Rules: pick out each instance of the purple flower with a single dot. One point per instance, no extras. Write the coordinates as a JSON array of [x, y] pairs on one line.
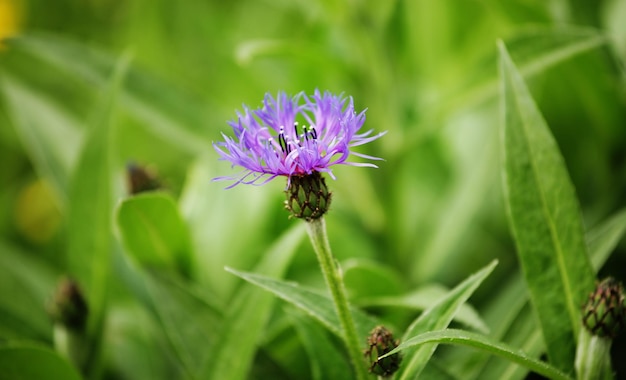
[[294, 136]]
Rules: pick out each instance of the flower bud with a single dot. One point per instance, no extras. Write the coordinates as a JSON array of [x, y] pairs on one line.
[[604, 314], [308, 197], [141, 179], [68, 307], [380, 341]]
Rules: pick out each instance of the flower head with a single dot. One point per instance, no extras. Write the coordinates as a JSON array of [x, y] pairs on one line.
[[604, 313], [294, 136], [379, 342]]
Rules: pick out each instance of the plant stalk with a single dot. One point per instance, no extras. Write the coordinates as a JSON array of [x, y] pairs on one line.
[[319, 238], [593, 357]]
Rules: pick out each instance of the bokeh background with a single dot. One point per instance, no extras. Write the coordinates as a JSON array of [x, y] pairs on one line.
[[426, 71]]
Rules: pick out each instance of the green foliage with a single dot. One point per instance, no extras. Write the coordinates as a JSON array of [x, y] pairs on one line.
[[247, 313], [408, 236], [318, 306], [30, 363], [466, 338], [154, 233], [438, 317], [545, 218], [326, 359]]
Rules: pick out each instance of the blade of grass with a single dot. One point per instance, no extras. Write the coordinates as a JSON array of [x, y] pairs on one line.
[[478, 341], [50, 135], [438, 317], [90, 213], [421, 299], [544, 217]]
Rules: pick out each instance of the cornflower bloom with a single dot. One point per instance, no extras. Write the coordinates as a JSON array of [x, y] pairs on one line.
[[270, 141]]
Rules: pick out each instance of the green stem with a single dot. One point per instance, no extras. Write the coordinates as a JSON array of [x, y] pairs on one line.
[[317, 232], [593, 357]]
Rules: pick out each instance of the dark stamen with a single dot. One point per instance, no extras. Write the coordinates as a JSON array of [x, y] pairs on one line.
[[283, 143], [313, 133]]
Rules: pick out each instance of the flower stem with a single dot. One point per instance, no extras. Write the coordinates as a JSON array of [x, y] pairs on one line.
[[593, 357], [317, 232]]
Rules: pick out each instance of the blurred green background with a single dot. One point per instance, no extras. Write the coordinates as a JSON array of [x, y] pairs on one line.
[[425, 70]]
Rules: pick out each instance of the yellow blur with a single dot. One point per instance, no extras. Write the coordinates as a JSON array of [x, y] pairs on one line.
[[10, 20]]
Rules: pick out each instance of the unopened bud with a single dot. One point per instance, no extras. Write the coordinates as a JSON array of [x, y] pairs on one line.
[[68, 307], [604, 314], [141, 179], [380, 341]]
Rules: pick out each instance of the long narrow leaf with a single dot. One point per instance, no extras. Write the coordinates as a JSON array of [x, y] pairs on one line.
[[188, 320], [90, 211], [545, 218], [49, 134], [167, 114], [438, 317], [421, 299], [466, 338], [248, 312], [314, 303]]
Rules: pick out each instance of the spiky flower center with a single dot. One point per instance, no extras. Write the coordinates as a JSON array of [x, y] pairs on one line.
[[288, 143]]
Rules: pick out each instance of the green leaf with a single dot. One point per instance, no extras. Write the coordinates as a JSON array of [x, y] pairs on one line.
[[545, 218], [26, 284], [135, 345], [90, 212], [421, 299], [34, 363], [50, 135], [188, 319], [466, 338], [318, 305], [248, 313], [326, 360], [438, 317], [154, 232]]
